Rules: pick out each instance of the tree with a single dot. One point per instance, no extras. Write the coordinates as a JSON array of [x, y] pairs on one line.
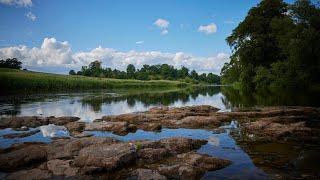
[[183, 72], [277, 45], [194, 75], [72, 72], [11, 63], [131, 70]]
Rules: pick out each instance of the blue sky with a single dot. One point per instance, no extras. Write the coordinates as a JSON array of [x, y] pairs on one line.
[[112, 30]]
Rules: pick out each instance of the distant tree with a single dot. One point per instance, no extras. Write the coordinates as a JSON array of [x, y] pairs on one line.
[[183, 72], [72, 72], [11, 63], [194, 75], [131, 70]]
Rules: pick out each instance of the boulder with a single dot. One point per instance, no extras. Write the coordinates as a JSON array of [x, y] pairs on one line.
[[62, 168], [120, 128], [146, 174], [22, 155], [68, 148], [179, 145], [150, 155], [106, 156], [31, 174]]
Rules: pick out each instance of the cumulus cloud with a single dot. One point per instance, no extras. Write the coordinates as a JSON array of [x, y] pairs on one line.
[[31, 16], [55, 55], [22, 3], [162, 23], [208, 29], [139, 42]]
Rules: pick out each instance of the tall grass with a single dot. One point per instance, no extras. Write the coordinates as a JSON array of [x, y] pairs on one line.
[[26, 81]]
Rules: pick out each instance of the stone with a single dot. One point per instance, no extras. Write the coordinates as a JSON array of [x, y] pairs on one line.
[[32, 174], [177, 145], [146, 174], [62, 167], [106, 156]]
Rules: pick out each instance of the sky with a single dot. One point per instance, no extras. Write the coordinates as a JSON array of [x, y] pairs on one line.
[[59, 35]]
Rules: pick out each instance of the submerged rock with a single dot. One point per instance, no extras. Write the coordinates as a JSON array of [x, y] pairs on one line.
[[20, 135]]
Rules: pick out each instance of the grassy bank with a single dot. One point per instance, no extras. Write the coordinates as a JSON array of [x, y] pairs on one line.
[[27, 81]]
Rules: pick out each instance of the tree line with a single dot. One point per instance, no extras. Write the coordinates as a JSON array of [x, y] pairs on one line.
[[13, 63], [277, 45], [147, 72]]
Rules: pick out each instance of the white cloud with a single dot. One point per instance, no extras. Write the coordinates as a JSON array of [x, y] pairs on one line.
[[208, 29], [139, 42], [22, 3], [31, 16], [162, 23], [57, 56], [164, 32]]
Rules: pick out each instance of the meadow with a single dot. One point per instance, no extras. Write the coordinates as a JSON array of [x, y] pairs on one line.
[[13, 80]]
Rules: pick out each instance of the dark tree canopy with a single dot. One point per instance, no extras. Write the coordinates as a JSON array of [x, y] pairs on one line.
[[13, 63], [277, 45]]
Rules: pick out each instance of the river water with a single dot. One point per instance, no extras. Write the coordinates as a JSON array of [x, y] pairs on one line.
[[93, 105]]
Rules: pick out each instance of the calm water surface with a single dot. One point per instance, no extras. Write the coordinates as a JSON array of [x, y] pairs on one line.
[[93, 105]]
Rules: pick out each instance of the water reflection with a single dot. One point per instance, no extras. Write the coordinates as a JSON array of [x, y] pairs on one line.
[[92, 105]]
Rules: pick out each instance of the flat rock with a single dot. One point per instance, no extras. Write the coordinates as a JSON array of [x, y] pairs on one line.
[[115, 127], [22, 155], [106, 156], [146, 174], [62, 168], [31, 174]]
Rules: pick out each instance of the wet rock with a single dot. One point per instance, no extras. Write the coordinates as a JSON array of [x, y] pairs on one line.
[[34, 121], [62, 167], [75, 127], [68, 148], [146, 174], [30, 174], [106, 156], [20, 135], [62, 120], [151, 127], [22, 155], [179, 145], [191, 166], [23, 128], [150, 155], [120, 128]]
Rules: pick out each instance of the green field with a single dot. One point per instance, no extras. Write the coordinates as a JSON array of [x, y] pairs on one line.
[[27, 81]]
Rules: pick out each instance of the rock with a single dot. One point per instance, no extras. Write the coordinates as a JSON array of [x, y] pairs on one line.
[[191, 166], [115, 127], [151, 127], [20, 135], [146, 174], [75, 127], [22, 155], [68, 148], [30, 174], [106, 156], [179, 145], [62, 167], [149, 155], [23, 128], [34, 121]]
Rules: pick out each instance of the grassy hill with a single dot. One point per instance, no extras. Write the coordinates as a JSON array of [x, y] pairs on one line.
[[13, 80]]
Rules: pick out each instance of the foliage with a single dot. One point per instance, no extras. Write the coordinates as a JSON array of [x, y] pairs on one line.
[[276, 46], [149, 72], [10, 63]]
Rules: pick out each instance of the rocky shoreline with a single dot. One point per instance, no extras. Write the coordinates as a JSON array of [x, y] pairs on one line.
[[83, 156]]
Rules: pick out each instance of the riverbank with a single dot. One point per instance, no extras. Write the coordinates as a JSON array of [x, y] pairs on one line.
[[280, 140], [28, 81]]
